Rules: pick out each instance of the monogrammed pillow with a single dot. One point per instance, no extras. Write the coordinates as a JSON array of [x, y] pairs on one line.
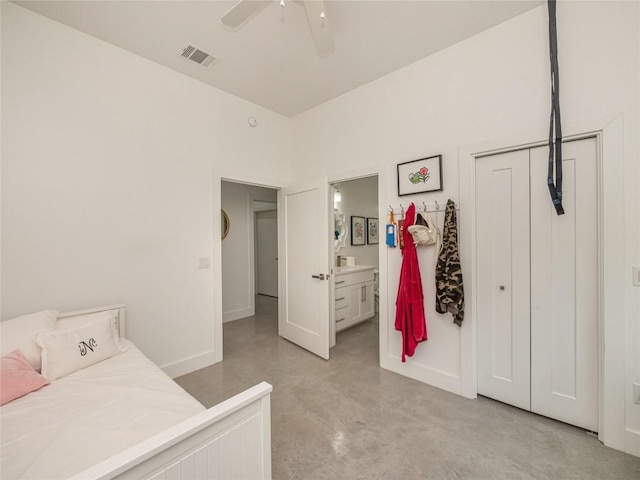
[[65, 351]]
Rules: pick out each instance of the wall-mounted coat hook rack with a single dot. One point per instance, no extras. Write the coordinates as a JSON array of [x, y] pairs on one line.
[[426, 207]]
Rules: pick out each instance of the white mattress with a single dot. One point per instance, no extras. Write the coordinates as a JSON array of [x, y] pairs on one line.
[[83, 418]]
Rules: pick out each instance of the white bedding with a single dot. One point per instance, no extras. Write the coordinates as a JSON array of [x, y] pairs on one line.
[[89, 415]]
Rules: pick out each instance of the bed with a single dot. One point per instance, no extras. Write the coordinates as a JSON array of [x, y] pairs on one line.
[[122, 417]]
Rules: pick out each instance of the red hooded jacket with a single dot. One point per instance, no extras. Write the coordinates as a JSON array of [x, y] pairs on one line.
[[410, 317]]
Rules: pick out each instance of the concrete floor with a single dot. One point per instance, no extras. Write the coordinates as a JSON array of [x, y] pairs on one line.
[[346, 418]]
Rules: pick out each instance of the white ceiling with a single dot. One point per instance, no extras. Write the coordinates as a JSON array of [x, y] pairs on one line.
[[271, 60]]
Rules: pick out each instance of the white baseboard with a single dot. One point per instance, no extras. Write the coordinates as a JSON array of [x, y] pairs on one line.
[[237, 314], [190, 364], [632, 442], [430, 376]]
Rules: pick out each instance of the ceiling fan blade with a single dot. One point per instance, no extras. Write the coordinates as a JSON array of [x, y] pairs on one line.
[[320, 29], [243, 11]]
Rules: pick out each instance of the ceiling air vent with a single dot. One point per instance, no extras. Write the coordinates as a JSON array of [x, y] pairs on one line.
[[198, 56]]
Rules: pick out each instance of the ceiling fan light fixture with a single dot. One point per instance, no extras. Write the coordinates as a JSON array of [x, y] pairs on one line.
[[244, 10]]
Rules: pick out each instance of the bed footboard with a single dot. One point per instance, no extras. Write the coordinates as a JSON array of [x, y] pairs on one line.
[[231, 440]]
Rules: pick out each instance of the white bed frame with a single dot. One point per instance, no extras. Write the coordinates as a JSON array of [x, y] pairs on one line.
[[231, 440]]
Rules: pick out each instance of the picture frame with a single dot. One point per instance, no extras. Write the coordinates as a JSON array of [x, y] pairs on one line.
[[358, 230], [373, 231], [420, 176]]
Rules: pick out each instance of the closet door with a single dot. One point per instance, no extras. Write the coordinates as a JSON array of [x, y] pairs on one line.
[[564, 289], [503, 308]]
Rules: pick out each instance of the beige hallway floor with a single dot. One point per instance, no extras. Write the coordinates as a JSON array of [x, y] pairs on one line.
[[346, 418]]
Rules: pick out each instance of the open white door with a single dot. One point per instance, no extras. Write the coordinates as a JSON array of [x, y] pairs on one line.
[[304, 267]]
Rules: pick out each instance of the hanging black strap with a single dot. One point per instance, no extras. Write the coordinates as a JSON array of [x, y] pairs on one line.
[[555, 189]]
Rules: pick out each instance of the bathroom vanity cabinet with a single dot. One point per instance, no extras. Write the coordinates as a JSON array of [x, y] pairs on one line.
[[354, 296]]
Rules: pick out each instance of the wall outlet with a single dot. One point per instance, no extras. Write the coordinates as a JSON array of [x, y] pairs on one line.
[[204, 262], [636, 276], [636, 393]]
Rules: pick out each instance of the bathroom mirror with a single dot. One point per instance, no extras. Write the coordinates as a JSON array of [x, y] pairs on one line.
[[341, 230], [225, 223]]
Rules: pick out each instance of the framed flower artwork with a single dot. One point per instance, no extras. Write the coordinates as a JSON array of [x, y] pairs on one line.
[[373, 231], [358, 231], [420, 176]]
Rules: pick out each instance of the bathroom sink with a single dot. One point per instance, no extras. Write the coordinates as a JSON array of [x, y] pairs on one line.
[[355, 268]]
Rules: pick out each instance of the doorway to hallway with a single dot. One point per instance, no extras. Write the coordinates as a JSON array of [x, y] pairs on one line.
[[249, 250]]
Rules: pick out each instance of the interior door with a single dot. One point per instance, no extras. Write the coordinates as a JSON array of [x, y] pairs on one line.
[[267, 253], [502, 269], [564, 289], [304, 267]]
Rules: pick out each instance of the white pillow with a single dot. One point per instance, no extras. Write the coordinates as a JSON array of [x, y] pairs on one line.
[[20, 334], [65, 351], [67, 323]]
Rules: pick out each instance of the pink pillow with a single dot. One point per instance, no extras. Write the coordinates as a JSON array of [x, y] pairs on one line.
[[17, 377]]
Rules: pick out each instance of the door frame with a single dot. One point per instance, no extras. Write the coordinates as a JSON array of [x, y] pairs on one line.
[[379, 171], [218, 176], [608, 132]]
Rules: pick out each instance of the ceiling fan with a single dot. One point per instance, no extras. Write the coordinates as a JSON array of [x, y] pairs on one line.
[[320, 31]]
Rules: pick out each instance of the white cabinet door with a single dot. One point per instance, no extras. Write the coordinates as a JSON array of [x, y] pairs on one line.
[[502, 235], [368, 304], [564, 289], [355, 307], [303, 316]]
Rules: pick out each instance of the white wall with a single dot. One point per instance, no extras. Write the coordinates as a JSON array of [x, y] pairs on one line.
[[238, 281], [360, 198], [107, 183], [493, 85]]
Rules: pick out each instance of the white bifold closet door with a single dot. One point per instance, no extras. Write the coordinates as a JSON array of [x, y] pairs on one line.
[[537, 276]]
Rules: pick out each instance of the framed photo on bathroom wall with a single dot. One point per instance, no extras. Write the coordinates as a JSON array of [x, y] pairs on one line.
[[373, 231], [420, 176], [358, 230]]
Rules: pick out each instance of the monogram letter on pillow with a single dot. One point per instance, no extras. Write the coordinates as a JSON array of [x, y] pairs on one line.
[[65, 351]]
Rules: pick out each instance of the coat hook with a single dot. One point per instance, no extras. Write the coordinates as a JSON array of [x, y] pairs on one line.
[[425, 206], [437, 206]]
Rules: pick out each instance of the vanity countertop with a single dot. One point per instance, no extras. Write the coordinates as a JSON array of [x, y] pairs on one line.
[[356, 268]]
